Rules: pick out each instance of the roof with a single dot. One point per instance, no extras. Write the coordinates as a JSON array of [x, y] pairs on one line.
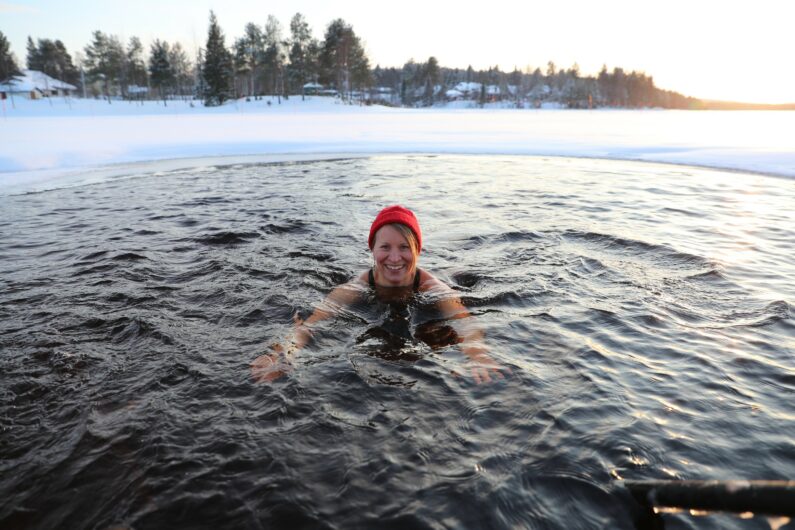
[[468, 87], [34, 80]]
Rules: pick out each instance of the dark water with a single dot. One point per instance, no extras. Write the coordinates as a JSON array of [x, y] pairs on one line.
[[645, 312]]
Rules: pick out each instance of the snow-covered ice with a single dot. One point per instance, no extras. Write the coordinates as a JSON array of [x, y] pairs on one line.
[[46, 141]]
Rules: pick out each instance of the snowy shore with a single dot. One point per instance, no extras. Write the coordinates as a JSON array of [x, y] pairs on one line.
[[41, 141]]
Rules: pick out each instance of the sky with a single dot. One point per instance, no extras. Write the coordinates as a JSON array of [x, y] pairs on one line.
[[710, 49]]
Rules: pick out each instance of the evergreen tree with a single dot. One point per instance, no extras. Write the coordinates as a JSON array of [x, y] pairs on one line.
[[51, 58], [137, 74], [303, 54], [104, 61], [603, 84], [343, 61], [248, 54], [275, 56], [618, 88], [410, 81], [32, 60], [161, 74], [48, 58], [181, 69], [66, 68], [432, 78], [217, 68], [8, 65]]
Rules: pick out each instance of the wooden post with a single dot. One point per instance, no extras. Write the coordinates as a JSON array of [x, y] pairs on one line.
[[765, 497]]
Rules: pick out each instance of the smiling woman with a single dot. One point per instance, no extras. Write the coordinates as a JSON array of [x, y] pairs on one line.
[[395, 241]]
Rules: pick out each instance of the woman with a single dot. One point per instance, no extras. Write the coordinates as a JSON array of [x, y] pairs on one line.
[[396, 242]]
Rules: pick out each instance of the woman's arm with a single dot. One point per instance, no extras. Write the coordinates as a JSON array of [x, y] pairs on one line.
[[472, 344], [279, 361]]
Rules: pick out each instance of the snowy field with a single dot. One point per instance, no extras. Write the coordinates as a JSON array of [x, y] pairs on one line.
[[50, 143]]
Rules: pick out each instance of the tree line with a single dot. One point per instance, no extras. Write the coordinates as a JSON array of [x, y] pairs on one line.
[[267, 60], [425, 84]]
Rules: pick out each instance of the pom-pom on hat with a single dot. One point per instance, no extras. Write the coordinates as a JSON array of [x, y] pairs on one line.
[[396, 214]]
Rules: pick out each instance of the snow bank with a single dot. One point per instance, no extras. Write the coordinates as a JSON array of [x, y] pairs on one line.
[[40, 140]]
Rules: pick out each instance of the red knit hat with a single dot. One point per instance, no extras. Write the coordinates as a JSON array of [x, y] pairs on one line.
[[396, 214]]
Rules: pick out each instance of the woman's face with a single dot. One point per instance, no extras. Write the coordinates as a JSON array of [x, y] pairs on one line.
[[394, 260]]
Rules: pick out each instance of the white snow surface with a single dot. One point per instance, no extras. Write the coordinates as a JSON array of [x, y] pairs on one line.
[[51, 142], [29, 80]]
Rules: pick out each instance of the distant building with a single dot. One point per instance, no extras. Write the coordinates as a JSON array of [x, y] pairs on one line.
[[382, 94], [312, 88], [468, 90], [33, 84], [135, 91], [454, 94]]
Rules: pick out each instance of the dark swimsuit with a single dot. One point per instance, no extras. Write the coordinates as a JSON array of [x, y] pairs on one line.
[[398, 326], [371, 279]]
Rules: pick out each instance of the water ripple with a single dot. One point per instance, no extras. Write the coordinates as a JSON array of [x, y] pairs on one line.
[[646, 316]]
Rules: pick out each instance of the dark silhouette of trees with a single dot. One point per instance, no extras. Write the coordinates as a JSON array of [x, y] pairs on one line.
[[51, 57], [8, 65]]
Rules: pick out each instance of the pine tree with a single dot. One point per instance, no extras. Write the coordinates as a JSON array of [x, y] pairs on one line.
[[217, 68], [248, 57], [343, 61], [303, 54], [432, 78], [68, 70], [32, 60], [51, 58], [181, 69], [105, 60], [8, 65], [275, 56], [137, 74], [161, 74]]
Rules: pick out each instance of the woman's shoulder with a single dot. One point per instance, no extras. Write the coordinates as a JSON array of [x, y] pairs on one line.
[[362, 279], [428, 281]]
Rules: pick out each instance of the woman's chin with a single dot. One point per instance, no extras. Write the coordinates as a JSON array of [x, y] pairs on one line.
[[395, 277]]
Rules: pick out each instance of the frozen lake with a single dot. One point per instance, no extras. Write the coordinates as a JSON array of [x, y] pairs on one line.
[[46, 144]]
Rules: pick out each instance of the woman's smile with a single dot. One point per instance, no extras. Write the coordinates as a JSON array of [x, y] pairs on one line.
[[394, 259]]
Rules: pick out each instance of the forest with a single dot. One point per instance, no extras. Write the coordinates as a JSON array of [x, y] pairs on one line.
[[269, 60]]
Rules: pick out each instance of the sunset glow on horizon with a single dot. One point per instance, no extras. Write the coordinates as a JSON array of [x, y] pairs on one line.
[[708, 50]]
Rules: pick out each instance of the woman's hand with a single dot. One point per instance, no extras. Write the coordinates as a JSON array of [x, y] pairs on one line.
[[273, 365], [484, 369]]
